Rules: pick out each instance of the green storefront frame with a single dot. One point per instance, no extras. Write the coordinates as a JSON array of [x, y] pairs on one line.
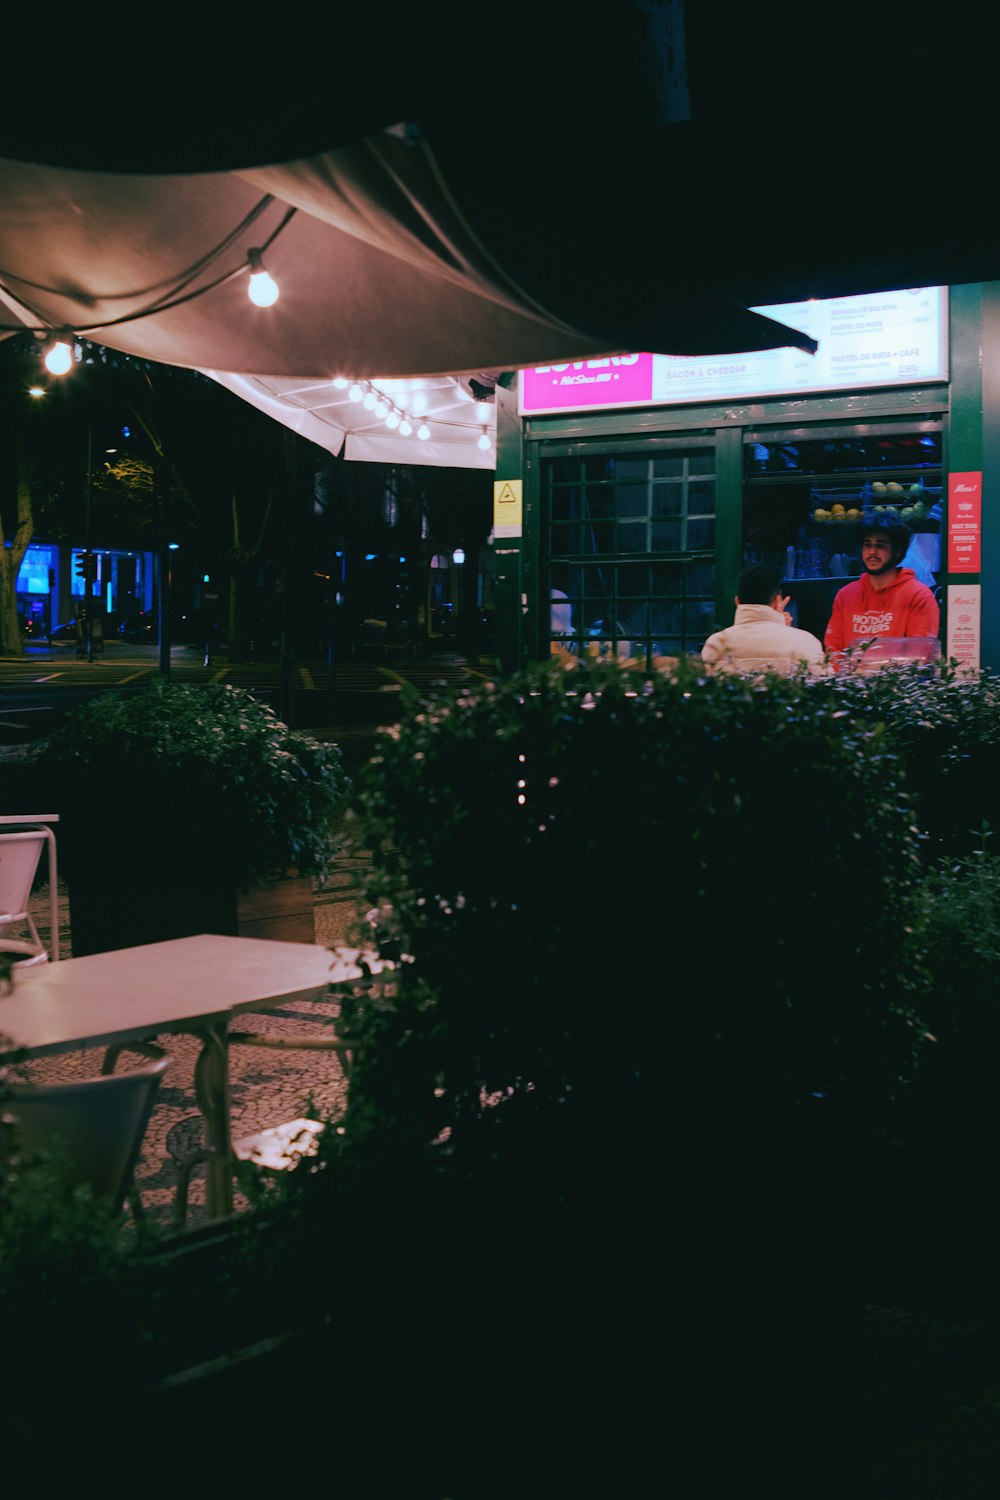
[[966, 407]]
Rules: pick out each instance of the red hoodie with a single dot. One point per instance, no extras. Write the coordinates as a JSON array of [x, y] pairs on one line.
[[906, 607]]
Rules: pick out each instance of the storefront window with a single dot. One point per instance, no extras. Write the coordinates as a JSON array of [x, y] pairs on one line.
[[605, 512], [807, 502], [34, 574]]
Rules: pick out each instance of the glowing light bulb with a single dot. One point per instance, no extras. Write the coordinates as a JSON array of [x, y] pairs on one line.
[[59, 358], [484, 440], [423, 432], [381, 409], [355, 393], [392, 420], [369, 401], [419, 402], [340, 383], [405, 428], [263, 289]]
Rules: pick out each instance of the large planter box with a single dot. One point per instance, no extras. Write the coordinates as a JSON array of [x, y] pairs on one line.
[[126, 915], [277, 909]]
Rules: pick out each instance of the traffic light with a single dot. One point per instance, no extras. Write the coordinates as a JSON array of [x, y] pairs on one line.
[[85, 566]]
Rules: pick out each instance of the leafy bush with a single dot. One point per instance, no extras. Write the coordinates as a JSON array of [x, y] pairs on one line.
[[631, 907], [224, 789], [65, 1286], [930, 1229], [952, 1115], [946, 729]]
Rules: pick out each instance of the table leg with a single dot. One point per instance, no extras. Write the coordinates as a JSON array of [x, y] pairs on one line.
[[211, 1085]]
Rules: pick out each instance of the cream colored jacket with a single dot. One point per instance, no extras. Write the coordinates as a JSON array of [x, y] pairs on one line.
[[759, 640]]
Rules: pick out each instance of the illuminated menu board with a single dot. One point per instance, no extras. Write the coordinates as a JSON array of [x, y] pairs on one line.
[[885, 338]]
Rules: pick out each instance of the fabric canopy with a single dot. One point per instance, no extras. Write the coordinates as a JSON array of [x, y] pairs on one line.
[[381, 277], [379, 273], [564, 189]]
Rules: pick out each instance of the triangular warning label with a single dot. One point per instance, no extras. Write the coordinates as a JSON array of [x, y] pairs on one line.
[[506, 496]]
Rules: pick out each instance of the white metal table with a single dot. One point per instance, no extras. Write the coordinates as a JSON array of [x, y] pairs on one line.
[[193, 985]]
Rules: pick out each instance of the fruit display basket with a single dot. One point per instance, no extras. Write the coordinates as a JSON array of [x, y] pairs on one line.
[[912, 503], [837, 507]]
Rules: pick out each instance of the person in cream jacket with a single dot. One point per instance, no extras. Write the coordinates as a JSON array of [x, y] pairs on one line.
[[761, 637]]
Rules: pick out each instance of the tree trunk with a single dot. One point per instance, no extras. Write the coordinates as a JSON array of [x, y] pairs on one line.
[[243, 631], [11, 643]]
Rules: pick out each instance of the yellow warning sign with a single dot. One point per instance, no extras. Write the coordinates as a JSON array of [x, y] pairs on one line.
[[507, 498]]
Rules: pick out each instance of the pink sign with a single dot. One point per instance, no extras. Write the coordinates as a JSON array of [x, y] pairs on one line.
[[618, 380], [963, 625], [965, 504]]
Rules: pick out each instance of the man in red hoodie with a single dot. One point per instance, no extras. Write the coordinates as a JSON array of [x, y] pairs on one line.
[[886, 599]]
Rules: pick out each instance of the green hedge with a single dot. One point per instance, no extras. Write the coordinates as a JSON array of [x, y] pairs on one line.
[[946, 728], [627, 900]]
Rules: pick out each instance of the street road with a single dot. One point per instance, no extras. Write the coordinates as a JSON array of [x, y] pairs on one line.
[[38, 688]]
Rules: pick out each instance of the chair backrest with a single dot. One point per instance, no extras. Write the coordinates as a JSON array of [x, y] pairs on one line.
[[19, 857], [21, 843], [95, 1126]]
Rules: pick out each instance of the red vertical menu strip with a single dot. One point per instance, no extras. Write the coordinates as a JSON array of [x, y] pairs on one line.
[[965, 512]]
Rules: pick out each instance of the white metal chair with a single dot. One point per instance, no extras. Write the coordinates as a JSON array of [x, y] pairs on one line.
[[22, 840], [94, 1126]]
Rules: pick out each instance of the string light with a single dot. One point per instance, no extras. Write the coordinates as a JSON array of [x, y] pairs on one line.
[[388, 400], [59, 358], [263, 289], [388, 407], [165, 295]]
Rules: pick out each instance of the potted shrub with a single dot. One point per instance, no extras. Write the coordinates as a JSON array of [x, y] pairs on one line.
[[187, 809]]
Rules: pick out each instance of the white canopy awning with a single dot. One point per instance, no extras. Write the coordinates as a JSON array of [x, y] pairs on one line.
[[446, 424]]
